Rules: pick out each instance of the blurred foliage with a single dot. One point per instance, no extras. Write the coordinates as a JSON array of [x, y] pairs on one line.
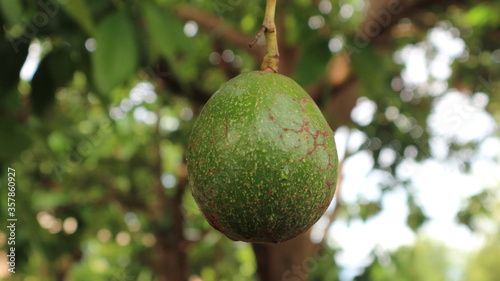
[[483, 265], [97, 132], [422, 261]]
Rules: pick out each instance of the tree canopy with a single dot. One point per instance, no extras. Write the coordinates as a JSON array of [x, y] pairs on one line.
[[98, 98]]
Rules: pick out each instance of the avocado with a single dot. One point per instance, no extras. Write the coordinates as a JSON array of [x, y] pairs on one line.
[[262, 161]]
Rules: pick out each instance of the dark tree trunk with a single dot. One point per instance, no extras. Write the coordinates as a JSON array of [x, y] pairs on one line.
[[284, 261]]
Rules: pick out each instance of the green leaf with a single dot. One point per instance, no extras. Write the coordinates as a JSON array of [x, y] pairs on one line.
[[12, 10], [162, 34], [482, 15], [166, 35], [46, 200], [15, 142], [313, 62], [116, 56], [13, 56], [370, 68], [368, 210], [79, 10], [58, 142], [54, 71], [416, 218], [61, 65], [476, 206], [43, 87]]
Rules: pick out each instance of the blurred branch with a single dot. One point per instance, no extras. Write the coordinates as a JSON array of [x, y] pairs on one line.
[[169, 258], [343, 88], [289, 53], [161, 199], [219, 29], [383, 15], [275, 260], [387, 13]]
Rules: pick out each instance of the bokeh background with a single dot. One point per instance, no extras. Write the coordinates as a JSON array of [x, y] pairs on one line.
[[98, 97]]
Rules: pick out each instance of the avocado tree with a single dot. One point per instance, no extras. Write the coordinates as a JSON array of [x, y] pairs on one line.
[[98, 99]]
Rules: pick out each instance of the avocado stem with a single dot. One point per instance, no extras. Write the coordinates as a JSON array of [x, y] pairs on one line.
[[271, 59]]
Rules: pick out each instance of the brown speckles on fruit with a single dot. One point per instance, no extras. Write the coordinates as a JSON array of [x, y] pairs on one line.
[[262, 159]]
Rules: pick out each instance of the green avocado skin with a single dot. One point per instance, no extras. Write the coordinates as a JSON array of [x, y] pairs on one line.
[[262, 162]]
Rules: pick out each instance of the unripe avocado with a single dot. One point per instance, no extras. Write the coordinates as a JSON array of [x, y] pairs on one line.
[[262, 162]]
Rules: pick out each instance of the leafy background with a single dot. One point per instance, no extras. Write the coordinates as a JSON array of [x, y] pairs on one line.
[[98, 97]]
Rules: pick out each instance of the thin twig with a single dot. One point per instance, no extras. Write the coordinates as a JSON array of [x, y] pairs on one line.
[[257, 37]]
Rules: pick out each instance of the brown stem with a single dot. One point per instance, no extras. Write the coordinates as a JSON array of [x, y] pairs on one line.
[[257, 37]]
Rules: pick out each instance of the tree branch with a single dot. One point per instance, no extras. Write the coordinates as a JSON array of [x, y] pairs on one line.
[[219, 29]]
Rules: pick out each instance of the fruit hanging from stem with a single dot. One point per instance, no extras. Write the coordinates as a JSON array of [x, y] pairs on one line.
[[262, 162]]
